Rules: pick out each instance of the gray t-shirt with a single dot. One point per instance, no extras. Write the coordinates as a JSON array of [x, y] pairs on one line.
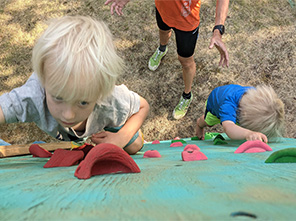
[[28, 104]]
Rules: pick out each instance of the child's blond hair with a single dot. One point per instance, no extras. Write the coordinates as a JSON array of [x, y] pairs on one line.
[[261, 110], [75, 56]]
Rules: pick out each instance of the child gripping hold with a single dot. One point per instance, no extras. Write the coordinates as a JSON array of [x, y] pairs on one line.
[[72, 94], [246, 113]]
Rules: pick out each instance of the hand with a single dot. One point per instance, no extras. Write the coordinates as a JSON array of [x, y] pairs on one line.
[[109, 137], [200, 133], [216, 41], [118, 5], [256, 136]]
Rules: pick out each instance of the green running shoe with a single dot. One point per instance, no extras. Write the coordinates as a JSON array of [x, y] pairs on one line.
[[182, 107], [155, 59]]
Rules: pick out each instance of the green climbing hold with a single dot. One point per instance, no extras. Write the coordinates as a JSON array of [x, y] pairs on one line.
[[194, 138], [219, 136], [287, 155], [209, 136], [182, 141], [219, 139]]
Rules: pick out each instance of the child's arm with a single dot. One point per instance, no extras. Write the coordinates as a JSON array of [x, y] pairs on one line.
[[200, 125], [125, 134], [2, 119], [236, 132]]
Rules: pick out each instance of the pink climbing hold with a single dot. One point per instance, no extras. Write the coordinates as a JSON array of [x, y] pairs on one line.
[[156, 142], [152, 154], [253, 146], [193, 155], [177, 144], [177, 138], [106, 158], [189, 147], [38, 151], [64, 158]]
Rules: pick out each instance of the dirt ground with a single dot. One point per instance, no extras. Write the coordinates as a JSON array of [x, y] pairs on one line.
[[260, 37]]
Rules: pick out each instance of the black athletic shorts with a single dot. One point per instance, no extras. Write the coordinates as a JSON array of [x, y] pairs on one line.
[[185, 40]]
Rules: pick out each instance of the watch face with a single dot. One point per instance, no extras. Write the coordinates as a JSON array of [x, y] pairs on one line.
[[221, 28]]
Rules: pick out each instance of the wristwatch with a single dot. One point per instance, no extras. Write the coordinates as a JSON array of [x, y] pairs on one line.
[[221, 29]]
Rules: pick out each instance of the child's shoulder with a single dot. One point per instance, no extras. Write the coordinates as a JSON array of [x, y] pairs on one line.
[[120, 94], [230, 88], [122, 90]]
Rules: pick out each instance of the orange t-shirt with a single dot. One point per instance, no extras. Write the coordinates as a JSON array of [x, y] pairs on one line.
[[180, 14]]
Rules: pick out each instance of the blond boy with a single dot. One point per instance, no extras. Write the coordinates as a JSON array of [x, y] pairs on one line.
[[72, 94], [250, 113]]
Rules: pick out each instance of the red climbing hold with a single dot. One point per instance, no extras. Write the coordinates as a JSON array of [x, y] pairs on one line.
[[177, 144], [38, 151], [106, 158], [64, 158], [191, 147], [193, 155], [253, 146], [152, 154]]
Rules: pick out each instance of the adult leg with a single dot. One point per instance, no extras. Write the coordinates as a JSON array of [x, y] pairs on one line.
[[186, 42], [165, 33], [164, 37], [189, 70]]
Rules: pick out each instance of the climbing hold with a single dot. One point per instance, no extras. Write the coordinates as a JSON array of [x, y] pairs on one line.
[[253, 146], [287, 155], [106, 158], [193, 155], [182, 141], [191, 147], [152, 154], [64, 158], [176, 144], [38, 151]]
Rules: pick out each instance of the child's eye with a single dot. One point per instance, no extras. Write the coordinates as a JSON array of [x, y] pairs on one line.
[[58, 98], [83, 103]]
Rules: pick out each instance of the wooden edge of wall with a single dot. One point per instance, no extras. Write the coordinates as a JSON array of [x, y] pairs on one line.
[[18, 150]]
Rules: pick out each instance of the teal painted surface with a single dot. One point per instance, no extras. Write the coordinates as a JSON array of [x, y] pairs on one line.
[[166, 189]]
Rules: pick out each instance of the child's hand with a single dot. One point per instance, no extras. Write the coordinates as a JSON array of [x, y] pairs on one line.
[[256, 136], [108, 137]]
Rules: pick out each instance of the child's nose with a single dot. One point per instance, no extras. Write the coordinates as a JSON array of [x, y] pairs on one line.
[[68, 113]]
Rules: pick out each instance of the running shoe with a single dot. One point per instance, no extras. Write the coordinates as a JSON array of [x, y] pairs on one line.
[[155, 59], [182, 107]]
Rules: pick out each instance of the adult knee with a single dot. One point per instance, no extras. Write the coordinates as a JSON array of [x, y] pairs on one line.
[[187, 62]]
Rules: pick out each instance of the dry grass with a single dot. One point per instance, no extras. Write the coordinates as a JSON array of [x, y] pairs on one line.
[[260, 37]]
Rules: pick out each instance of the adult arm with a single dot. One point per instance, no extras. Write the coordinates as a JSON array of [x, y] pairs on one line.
[[216, 40], [130, 128], [117, 5], [236, 132]]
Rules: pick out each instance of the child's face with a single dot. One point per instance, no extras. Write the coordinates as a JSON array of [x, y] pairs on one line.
[[68, 113]]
